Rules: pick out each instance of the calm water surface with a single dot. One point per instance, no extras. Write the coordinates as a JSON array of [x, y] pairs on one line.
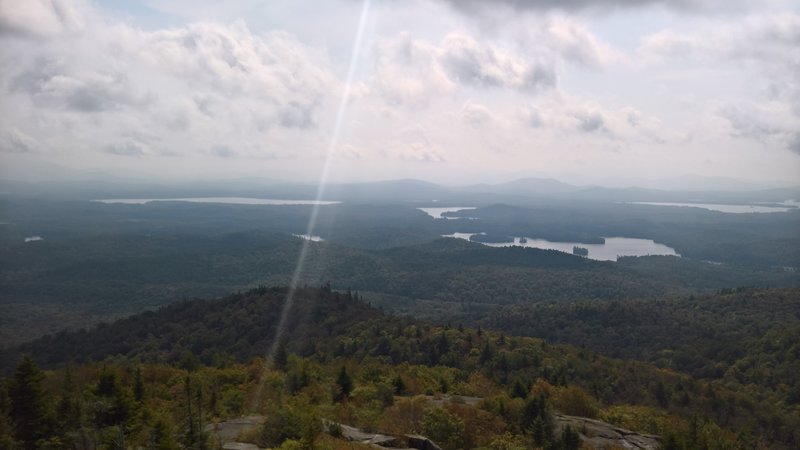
[[613, 247], [436, 213], [309, 237], [229, 200], [733, 209]]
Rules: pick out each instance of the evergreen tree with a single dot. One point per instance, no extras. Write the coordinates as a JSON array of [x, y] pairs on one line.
[[161, 436], [662, 395], [442, 345], [68, 410], [670, 443], [29, 404], [345, 384], [486, 354], [281, 358], [138, 386], [6, 428], [295, 382], [519, 390], [195, 437], [570, 439], [541, 432], [444, 428], [115, 403], [399, 385]]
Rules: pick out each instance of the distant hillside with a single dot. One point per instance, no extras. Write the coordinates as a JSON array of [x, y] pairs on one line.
[[125, 273], [536, 187], [241, 326]]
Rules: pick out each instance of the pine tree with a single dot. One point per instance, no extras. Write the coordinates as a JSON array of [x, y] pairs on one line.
[[161, 436], [662, 395], [442, 345], [399, 385], [345, 384], [486, 354], [68, 409], [195, 437], [281, 358], [6, 428], [138, 385], [29, 404], [115, 403], [519, 390], [444, 386], [570, 439]]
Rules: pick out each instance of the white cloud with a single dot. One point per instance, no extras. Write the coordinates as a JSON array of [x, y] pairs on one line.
[[422, 152], [573, 42], [574, 116], [433, 86], [14, 140], [476, 115], [476, 7], [126, 148], [413, 72], [349, 151], [407, 72], [767, 49], [222, 151], [589, 120], [768, 124], [56, 85], [483, 65], [186, 86], [760, 37], [533, 116], [42, 18]]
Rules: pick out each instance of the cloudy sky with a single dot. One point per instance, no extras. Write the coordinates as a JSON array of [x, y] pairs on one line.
[[587, 91]]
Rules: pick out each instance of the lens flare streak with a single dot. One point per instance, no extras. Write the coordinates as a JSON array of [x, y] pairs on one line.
[[341, 114]]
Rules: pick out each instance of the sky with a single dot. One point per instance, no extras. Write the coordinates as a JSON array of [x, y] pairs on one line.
[[614, 92]]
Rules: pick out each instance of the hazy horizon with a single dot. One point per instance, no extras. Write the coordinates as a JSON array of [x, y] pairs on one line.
[[51, 173]]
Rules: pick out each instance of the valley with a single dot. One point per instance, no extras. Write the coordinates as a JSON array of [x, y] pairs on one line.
[[690, 348]]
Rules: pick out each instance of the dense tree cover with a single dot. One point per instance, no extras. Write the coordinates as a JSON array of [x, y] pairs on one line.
[[337, 344], [103, 261], [96, 406], [367, 226], [240, 326], [181, 408], [749, 339], [32, 422], [52, 284]]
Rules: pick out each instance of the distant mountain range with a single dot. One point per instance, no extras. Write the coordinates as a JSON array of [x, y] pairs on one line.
[[690, 188]]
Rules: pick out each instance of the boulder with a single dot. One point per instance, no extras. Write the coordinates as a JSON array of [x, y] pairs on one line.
[[421, 442]]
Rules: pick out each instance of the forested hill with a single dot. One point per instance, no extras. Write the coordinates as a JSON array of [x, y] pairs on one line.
[[240, 326], [333, 329], [748, 338]]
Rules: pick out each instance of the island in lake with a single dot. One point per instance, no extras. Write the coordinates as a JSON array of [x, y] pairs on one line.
[[580, 251]]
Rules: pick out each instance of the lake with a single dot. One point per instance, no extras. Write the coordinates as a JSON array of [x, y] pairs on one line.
[[228, 200], [733, 209], [613, 247], [436, 213], [309, 237]]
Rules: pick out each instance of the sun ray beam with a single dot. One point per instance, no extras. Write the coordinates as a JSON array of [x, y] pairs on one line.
[[341, 115]]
